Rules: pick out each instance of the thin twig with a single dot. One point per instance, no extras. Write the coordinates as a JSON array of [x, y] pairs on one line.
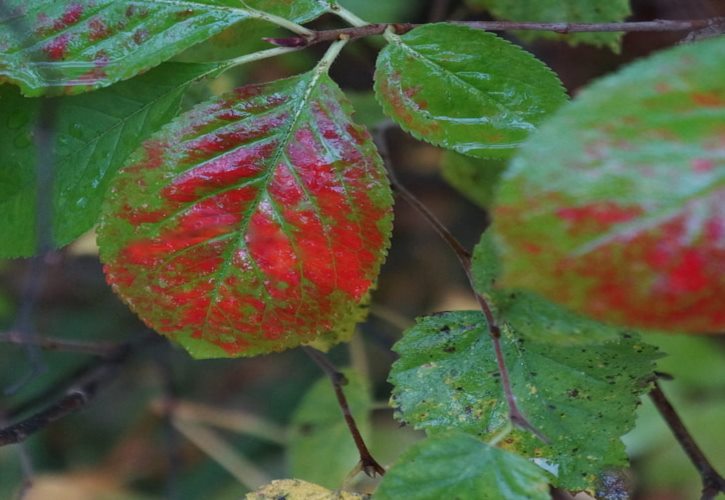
[[464, 256], [56, 344], [712, 482], [80, 393], [367, 463], [355, 32]]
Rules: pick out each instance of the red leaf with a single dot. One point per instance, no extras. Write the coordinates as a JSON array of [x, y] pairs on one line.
[[251, 224]]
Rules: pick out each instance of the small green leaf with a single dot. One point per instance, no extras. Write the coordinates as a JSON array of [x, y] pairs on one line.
[[563, 11], [582, 396], [321, 449], [456, 465], [51, 47], [93, 134], [465, 89], [475, 178], [253, 223], [616, 206], [485, 265]]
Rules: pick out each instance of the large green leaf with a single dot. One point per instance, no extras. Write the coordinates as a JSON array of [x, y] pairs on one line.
[[456, 465], [253, 223], [580, 393], [52, 47], [94, 133], [563, 11], [616, 207], [321, 449], [465, 89]]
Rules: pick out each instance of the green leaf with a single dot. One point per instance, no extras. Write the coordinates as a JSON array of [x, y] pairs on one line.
[[389, 11], [563, 11], [581, 395], [475, 178], [321, 449], [93, 134], [485, 265], [294, 489], [253, 223], [465, 89], [616, 206], [456, 465], [51, 47]]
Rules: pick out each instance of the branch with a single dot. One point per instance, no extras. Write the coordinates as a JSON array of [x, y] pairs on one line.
[[54, 344], [712, 482], [368, 464], [355, 32], [464, 256], [81, 392]]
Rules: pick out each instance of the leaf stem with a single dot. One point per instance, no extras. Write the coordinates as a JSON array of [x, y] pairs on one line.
[[464, 256], [258, 56], [349, 17], [332, 52], [368, 464], [279, 21], [365, 30], [712, 482]]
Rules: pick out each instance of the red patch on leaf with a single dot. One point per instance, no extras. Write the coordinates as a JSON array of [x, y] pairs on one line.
[[597, 217], [708, 99], [57, 48]]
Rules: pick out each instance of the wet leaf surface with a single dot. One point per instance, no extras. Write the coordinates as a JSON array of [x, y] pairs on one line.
[[253, 223], [581, 393], [616, 207], [457, 465], [465, 89]]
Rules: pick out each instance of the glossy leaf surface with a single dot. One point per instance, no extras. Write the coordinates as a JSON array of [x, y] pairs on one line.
[[580, 393], [93, 135], [51, 47], [318, 429], [457, 465], [253, 223], [616, 207], [562, 11], [294, 489], [465, 89]]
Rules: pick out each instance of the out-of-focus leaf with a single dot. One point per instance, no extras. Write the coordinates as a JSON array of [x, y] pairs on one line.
[[475, 178], [581, 396], [563, 11], [457, 465], [465, 89], [367, 110], [253, 223], [294, 489], [321, 449], [51, 47], [389, 11], [93, 134], [485, 265], [616, 207]]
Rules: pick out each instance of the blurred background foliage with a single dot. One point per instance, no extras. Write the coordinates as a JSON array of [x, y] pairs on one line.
[[240, 422]]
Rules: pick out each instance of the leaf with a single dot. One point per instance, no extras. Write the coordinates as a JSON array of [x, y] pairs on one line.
[[318, 430], [464, 89], [94, 134], [474, 178], [51, 47], [582, 396], [460, 466], [563, 11], [253, 223], [390, 11], [485, 265], [294, 489], [616, 207]]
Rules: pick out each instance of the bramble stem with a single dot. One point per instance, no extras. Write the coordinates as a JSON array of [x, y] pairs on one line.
[[56, 344], [712, 482], [464, 256], [368, 464], [366, 30]]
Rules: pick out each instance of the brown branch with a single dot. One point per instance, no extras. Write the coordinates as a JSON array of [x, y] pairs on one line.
[[55, 344], [367, 463], [464, 256], [712, 482], [717, 23], [81, 391]]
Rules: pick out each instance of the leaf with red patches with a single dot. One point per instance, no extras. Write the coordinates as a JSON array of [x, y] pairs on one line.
[[616, 207], [52, 47], [251, 224], [465, 89]]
